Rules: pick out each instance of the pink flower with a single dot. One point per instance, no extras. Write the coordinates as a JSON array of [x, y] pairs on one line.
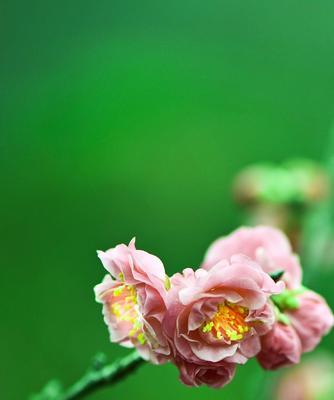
[[266, 245], [218, 315], [280, 347], [306, 314], [306, 319], [312, 319], [216, 376], [134, 301]]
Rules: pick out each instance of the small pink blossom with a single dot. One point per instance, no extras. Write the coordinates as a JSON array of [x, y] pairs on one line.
[[216, 376], [219, 315], [312, 319], [280, 347], [266, 245], [133, 298], [307, 318]]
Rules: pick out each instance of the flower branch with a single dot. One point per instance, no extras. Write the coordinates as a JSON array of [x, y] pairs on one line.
[[246, 300], [98, 376]]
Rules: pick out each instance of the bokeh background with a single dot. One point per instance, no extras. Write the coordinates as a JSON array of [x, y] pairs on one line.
[[127, 118]]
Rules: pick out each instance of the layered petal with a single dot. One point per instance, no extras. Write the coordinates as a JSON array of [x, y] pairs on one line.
[[268, 246], [133, 266], [312, 319], [215, 376], [280, 347], [306, 319]]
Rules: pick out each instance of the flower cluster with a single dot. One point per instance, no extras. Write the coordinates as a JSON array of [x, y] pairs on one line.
[[207, 321]]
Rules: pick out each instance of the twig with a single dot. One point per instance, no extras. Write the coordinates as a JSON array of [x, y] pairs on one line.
[[98, 376]]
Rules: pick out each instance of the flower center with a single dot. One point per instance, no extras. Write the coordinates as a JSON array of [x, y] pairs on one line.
[[228, 323], [124, 306]]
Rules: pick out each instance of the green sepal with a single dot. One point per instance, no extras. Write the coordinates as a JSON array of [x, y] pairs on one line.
[[281, 317], [288, 299], [284, 319], [277, 275], [167, 283]]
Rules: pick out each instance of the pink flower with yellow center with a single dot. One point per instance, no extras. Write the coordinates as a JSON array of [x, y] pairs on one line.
[[133, 297], [209, 320], [302, 316], [219, 315]]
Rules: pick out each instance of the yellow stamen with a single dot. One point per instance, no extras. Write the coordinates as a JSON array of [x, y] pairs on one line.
[[228, 323], [124, 306]]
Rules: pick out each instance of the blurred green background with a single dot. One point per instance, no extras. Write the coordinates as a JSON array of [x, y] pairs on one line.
[[127, 118]]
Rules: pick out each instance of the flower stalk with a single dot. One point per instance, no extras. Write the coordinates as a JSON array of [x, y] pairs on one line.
[[98, 376]]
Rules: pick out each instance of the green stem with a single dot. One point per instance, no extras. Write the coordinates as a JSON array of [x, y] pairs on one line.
[[107, 375], [99, 376]]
